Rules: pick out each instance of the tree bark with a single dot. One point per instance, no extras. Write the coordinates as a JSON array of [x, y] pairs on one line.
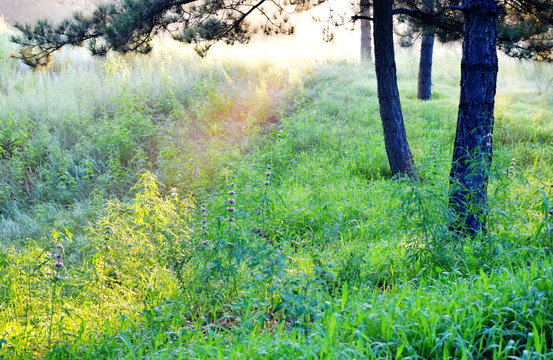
[[366, 34], [424, 88], [472, 154], [395, 139]]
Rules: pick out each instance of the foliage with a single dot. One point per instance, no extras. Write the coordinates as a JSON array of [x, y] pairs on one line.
[[524, 27], [130, 26]]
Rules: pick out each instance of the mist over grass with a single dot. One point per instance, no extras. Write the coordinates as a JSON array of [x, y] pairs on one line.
[[241, 206]]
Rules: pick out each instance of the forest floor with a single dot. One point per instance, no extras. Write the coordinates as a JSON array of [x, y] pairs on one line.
[[241, 206]]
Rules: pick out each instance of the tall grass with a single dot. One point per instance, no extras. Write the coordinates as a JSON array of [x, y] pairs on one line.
[[89, 126], [240, 207], [76, 139]]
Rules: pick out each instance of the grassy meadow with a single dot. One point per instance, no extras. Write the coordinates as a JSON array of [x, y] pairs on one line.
[[241, 206]]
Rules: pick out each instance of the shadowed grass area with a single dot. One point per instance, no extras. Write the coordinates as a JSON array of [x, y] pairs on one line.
[[230, 208]]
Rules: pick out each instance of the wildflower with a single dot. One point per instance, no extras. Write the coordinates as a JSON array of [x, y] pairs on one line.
[[206, 233], [489, 134], [229, 219], [488, 144], [546, 247], [267, 182], [58, 264], [59, 256], [205, 242], [230, 244], [232, 192], [204, 215], [231, 201], [203, 209], [268, 173], [204, 227], [231, 208], [59, 246]]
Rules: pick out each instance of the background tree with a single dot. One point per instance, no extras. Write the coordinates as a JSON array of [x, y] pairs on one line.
[[525, 29], [426, 19], [395, 138], [398, 151], [365, 24], [424, 88]]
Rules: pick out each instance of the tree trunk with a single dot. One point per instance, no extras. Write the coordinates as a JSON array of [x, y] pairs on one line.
[[395, 139], [366, 34], [472, 154], [424, 89]]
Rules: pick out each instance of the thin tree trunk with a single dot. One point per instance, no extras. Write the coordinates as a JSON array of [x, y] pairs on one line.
[[472, 154], [366, 34], [395, 139], [424, 89]]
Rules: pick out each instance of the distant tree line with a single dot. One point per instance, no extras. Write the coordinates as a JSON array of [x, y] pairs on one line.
[[520, 28]]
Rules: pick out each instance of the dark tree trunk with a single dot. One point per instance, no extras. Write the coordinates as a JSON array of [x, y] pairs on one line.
[[366, 34], [424, 89], [395, 139], [472, 154]]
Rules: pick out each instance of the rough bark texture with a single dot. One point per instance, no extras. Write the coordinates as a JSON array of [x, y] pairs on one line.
[[472, 154], [395, 139], [424, 89], [366, 36]]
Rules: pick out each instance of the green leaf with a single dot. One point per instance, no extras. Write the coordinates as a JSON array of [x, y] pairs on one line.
[[344, 295]]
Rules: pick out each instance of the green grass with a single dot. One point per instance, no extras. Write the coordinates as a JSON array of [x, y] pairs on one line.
[[325, 254]]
